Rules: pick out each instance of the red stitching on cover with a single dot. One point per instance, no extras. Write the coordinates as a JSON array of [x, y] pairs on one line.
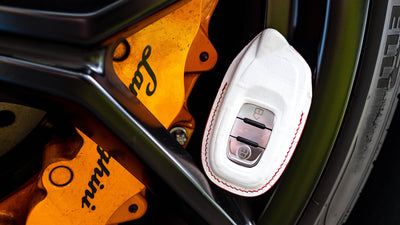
[[222, 182]]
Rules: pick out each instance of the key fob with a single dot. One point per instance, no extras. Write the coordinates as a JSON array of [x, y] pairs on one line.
[[257, 117]]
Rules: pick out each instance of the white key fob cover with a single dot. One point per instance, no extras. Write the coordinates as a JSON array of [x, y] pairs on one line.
[[257, 117]]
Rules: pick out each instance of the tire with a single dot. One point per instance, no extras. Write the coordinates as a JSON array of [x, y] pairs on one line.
[[368, 117]]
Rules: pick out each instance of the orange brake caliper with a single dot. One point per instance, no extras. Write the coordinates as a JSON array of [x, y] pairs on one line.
[[84, 184], [164, 62], [91, 188]]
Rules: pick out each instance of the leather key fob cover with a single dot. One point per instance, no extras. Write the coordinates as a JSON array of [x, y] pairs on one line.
[[257, 117]]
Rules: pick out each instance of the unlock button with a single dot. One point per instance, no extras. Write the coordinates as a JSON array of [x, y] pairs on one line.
[[258, 114]]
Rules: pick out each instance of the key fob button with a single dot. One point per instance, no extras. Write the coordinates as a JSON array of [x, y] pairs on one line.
[[243, 154], [256, 113], [250, 132]]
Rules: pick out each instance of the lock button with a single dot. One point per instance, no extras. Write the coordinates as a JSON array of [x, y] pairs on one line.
[[242, 153]]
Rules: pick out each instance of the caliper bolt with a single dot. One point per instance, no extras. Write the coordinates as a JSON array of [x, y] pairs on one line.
[[60, 176], [180, 135]]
